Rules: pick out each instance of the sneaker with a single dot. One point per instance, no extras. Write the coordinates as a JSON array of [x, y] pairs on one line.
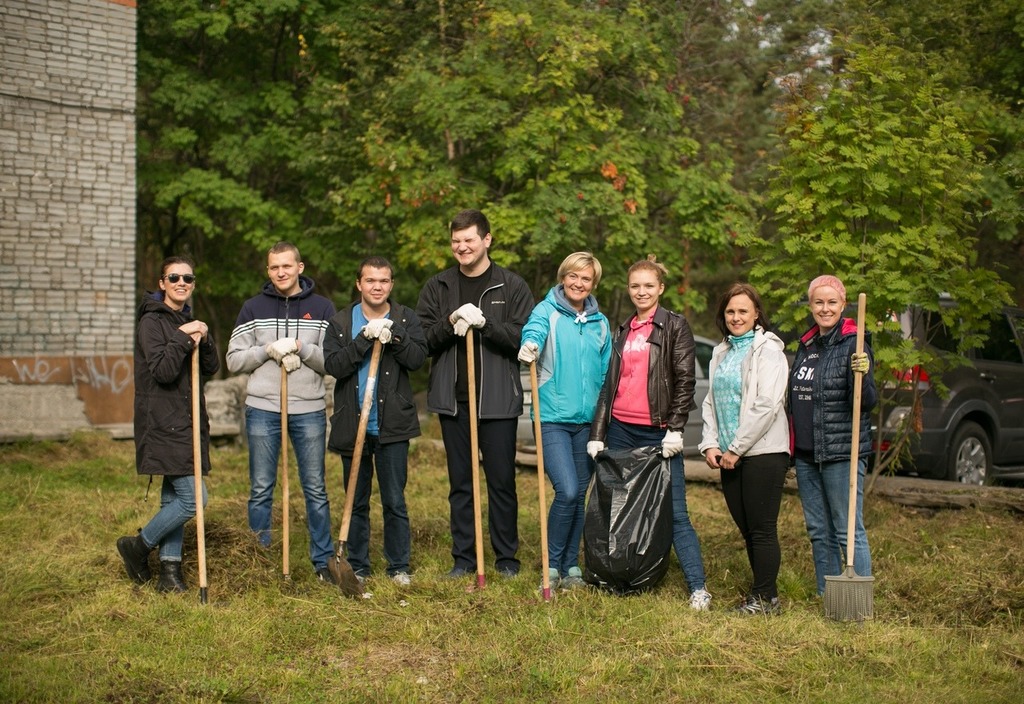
[[509, 571], [700, 600], [573, 580], [553, 579], [458, 573], [402, 579], [754, 605]]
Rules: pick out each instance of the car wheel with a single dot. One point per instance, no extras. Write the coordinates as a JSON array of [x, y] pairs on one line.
[[970, 459]]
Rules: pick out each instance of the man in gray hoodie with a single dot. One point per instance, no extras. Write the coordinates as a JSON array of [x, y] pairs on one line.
[[283, 327]]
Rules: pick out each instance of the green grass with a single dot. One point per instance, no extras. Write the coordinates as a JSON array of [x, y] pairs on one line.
[[948, 597]]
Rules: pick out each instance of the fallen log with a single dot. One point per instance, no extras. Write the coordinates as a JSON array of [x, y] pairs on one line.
[[907, 491]]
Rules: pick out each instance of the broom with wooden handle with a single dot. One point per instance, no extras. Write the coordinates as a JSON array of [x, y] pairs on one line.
[[848, 596]]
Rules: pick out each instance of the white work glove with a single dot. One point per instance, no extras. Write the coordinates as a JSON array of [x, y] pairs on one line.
[[379, 329], [291, 362], [528, 352], [470, 313], [461, 327], [594, 447], [672, 443], [279, 348]]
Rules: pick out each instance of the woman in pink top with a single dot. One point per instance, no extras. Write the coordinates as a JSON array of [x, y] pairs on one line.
[[647, 398]]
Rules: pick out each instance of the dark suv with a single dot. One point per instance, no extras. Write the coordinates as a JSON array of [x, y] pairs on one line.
[[975, 434]]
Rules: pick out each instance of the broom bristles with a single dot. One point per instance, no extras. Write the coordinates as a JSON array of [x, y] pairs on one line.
[[849, 597]]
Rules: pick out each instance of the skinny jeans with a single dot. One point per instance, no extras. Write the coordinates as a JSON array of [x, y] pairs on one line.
[[753, 493]]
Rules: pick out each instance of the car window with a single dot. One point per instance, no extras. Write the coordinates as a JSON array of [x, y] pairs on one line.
[[937, 334], [1001, 345], [703, 354]]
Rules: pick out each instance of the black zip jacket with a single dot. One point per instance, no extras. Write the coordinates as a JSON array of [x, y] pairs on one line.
[[506, 305]]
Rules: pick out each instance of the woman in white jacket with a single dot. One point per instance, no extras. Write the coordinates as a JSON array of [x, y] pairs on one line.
[[746, 434]]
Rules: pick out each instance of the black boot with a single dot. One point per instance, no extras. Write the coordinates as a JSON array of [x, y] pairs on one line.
[[171, 579], [136, 557]]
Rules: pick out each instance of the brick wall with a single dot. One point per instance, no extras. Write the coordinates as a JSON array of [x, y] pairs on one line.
[[67, 214]]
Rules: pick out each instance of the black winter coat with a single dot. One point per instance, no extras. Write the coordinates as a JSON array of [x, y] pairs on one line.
[[671, 378], [397, 418], [833, 391], [163, 390]]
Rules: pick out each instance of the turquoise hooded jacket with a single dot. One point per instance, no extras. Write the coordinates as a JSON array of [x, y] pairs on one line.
[[574, 353]]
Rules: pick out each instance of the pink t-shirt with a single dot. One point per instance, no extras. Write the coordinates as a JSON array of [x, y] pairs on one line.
[[630, 404]]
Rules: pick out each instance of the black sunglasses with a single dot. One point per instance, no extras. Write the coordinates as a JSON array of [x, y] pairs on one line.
[[173, 278]]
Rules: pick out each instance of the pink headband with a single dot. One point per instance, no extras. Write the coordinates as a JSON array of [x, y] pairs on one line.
[[827, 280]]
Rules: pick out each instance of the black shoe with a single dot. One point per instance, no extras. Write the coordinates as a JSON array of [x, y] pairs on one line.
[[171, 579], [509, 571], [136, 558], [459, 572], [324, 575]]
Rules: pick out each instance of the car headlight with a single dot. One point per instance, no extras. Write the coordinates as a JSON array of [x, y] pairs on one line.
[[897, 418]]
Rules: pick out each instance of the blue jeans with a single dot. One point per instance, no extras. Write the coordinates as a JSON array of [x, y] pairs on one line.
[[391, 461], [177, 506], [569, 468], [825, 495], [623, 436], [307, 433]]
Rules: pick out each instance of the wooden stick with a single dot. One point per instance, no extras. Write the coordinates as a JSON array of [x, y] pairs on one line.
[[474, 451], [284, 472], [197, 471], [544, 557]]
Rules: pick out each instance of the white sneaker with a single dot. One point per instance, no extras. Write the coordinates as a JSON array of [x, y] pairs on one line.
[[401, 579], [700, 600]]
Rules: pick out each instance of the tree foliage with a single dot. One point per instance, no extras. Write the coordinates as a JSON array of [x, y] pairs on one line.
[[876, 181]]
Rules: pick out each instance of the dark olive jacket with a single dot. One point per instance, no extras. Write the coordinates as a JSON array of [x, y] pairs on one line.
[[344, 353], [163, 390], [671, 378]]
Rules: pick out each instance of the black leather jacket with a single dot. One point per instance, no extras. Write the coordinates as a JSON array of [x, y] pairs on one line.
[[671, 377]]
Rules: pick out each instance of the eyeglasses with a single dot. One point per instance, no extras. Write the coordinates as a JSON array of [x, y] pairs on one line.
[[173, 278]]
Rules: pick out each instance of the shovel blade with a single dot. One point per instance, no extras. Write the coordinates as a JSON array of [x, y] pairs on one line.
[[344, 576], [849, 597]]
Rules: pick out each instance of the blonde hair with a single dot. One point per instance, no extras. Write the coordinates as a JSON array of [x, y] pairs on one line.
[[649, 264], [578, 261]]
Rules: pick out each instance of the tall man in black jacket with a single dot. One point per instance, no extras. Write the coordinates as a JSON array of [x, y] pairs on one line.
[[392, 420], [477, 297]]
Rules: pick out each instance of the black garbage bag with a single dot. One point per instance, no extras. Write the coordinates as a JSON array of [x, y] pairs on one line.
[[627, 528]]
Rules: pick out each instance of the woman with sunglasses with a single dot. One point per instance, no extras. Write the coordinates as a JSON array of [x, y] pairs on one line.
[[165, 337]]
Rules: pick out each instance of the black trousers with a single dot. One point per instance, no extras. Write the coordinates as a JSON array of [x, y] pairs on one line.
[[497, 439], [753, 493]]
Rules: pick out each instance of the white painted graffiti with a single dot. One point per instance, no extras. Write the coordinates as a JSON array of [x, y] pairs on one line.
[[103, 373], [38, 371]]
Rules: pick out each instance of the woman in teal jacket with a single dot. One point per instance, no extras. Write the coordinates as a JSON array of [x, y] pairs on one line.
[[571, 342]]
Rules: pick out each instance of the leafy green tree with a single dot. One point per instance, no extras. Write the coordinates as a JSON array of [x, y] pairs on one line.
[[875, 181], [558, 119], [222, 123]]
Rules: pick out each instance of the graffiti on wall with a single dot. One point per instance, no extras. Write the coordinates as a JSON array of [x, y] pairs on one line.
[[104, 383]]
